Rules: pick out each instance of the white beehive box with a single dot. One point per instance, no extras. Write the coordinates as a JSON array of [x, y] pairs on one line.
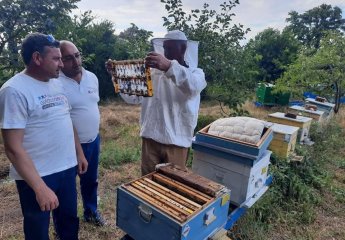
[[317, 115], [327, 107], [243, 179]]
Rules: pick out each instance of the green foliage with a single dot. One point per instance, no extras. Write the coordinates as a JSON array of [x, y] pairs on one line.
[[96, 41], [113, 154], [339, 194], [20, 17], [274, 51], [319, 72], [231, 95], [189, 161], [311, 26], [123, 148], [5, 75], [220, 54], [203, 121], [297, 188], [136, 40]]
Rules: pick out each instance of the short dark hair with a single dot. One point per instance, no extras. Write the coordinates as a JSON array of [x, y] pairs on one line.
[[35, 42]]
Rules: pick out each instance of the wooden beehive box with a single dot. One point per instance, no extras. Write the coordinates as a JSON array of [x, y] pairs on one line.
[[318, 116], [247, 153], [284, 140], [171, 204], [303, 123], [239, 165], [327, 107], [243, 179]]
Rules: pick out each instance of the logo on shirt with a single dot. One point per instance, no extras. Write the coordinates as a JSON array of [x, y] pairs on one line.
[[42, 97], [47, 101], [91, 90]]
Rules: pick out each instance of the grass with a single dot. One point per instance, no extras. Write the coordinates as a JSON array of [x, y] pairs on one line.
[[114, 155]]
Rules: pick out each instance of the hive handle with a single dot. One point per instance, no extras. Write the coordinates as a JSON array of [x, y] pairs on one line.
[[145, 213]]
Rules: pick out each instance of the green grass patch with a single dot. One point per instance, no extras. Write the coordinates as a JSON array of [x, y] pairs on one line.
[[203, 121], [128, 135], [113, 154], [124, 148]]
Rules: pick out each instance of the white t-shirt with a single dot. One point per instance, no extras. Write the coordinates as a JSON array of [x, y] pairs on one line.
[[42, 109], [83, 98]]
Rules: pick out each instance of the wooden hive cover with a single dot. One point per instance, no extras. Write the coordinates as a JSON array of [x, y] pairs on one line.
[[280, 115], [191, 179], [302, 109]]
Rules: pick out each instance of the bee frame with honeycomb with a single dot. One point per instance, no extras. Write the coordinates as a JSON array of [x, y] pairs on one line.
[[131, 77]]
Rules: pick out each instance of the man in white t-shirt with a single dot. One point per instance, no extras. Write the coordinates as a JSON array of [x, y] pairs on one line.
[[81, 89], [40, 141]]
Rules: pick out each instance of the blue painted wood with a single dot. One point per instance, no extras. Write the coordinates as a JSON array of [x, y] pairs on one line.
[[161, 226], [233, 147], [234, 216], [223, 153], [238, 212], [222, 149]]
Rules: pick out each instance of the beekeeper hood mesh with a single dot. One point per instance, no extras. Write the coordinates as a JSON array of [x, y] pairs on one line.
[[191, 55]]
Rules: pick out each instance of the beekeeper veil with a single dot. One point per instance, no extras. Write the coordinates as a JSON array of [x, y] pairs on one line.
[[191, 54]]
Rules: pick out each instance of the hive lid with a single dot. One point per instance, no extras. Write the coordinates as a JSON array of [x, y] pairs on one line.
[[282, 116], [284, 129], [191, 179], [328, 104], [300, 108]]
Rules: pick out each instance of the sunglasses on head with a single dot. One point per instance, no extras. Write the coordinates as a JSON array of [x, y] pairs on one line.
[[50, 38]]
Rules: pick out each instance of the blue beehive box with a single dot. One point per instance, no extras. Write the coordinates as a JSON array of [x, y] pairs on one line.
[[243, 180], [155, 214], [238, 165], [242, 152], [327, 107]]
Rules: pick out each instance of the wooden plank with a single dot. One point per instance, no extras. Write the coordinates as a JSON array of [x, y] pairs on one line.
[[192, 180], [160, 197], [195, 195], [121, 62], [153, 201], [183, 200], [159, 205], [186, 200], [183, 185]]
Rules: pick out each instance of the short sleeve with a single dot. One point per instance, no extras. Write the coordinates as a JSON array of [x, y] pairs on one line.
[[13, 109]]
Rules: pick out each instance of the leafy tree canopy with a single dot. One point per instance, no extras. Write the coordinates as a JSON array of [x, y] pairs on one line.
[[220, 54], [136, 41], [20, 17], [96, 41], [310, 27], [322, 72], [274, 51]]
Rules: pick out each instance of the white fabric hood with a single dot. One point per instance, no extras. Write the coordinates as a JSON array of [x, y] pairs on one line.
[[191, 55]]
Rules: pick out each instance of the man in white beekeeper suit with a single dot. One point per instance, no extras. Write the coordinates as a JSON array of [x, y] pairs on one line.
[[169, 117]]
